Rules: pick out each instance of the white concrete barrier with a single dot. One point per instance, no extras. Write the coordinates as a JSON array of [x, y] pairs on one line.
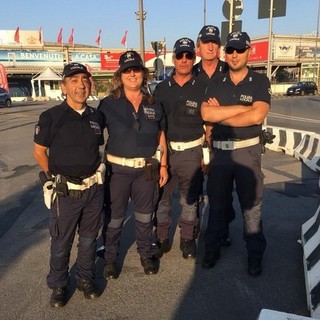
[[286, 140], [309, 151], [267, 314], [310, 238]]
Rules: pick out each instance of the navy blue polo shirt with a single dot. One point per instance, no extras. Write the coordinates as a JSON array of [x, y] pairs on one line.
[[199, 72], [254, 87], [182, 106], [132, 134], [73, 139]]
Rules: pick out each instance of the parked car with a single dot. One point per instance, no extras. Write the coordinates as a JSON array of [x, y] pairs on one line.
[[302, 88], [5, 99]]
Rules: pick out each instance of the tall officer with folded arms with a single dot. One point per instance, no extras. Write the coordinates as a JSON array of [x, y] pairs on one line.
[[67, 139], [137, 161], [237, 105], [181, 96]]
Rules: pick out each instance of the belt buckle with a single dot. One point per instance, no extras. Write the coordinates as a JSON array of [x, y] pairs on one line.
[[227, 145], [139, 163]]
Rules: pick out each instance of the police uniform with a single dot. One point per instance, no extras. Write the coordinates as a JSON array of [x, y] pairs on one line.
[[73, 140], [237, 157], [185, 135], [133, 139]]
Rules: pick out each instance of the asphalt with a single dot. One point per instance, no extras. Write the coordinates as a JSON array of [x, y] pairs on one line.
[[181, 289]]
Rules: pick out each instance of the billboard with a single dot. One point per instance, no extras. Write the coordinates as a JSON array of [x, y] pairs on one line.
[[29, 38], [34, 58]]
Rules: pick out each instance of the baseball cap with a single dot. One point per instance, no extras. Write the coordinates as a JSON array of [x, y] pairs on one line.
[[210, 33], [238, 40], [184, 45], [130, 59], [74, 68]]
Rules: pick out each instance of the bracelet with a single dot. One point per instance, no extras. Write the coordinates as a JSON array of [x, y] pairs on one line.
[[163, 166]]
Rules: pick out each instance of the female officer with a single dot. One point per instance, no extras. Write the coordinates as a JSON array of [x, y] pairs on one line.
[[136, 134]]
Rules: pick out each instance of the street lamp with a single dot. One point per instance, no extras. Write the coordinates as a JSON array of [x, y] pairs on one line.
[[141, 15]]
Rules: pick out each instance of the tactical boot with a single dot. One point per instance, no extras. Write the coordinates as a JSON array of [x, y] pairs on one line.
[[88, 288], [110, 270], [150, 265], [164, 247], [58, 297], [188, 248]]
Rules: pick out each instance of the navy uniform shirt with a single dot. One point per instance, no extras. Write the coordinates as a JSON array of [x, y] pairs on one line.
[[132, 134], [73, 140], [199, 72], [254, 87], [182, 108]]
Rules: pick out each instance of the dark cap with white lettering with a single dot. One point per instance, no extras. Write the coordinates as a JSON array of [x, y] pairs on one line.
[[74, 68]]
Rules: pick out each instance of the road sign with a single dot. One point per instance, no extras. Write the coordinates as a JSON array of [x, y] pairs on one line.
[[237, 9], [279, 8]]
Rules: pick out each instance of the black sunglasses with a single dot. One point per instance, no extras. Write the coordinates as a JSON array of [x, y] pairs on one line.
[[134, 69], [230, 50], [187, 55]]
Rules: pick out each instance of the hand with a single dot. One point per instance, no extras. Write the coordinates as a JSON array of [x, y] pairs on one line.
[[163, 176], [213, 102]]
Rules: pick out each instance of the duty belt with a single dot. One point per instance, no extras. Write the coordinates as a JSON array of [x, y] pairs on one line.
[[232, 145], [181, 146], [127, 162]]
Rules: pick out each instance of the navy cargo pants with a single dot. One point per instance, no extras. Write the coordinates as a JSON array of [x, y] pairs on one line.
[[123, 184], [244, 167], [66, 216], [185, 169]]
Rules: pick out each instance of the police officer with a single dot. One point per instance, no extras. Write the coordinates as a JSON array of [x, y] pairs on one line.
[[181, 96], [137, 160], [237, 104], [211, 67], [72, 132]]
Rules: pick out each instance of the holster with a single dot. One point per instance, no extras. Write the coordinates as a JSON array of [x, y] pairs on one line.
[[151, 169], [61, 187]]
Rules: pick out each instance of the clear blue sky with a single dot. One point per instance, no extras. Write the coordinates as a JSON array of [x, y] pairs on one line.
[[171, 19]]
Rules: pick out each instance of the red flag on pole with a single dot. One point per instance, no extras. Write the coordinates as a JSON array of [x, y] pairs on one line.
[[124, 39], [40, 35], [3, 78], [98, 40], [70, 41], [17, 36], [59, 39]]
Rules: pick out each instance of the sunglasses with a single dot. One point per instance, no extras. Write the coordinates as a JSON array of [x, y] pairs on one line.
[[187, 55], [230, 50], [134, 69]]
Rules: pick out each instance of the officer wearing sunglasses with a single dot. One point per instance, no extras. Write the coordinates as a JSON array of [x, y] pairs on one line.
[[136, 159], [181, 96], [237, 104]]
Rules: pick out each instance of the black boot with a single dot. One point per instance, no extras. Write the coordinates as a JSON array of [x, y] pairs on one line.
[[210, 259], [150, 265], [110, 270], [164, 247], [58, 297], [254, 266], [188, 248], [88, 288]]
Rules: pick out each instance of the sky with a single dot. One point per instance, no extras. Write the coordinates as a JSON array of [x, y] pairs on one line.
[[165, 19]]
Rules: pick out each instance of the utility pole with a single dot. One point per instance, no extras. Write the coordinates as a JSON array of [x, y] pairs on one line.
[[270, 45], [141, 15]]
